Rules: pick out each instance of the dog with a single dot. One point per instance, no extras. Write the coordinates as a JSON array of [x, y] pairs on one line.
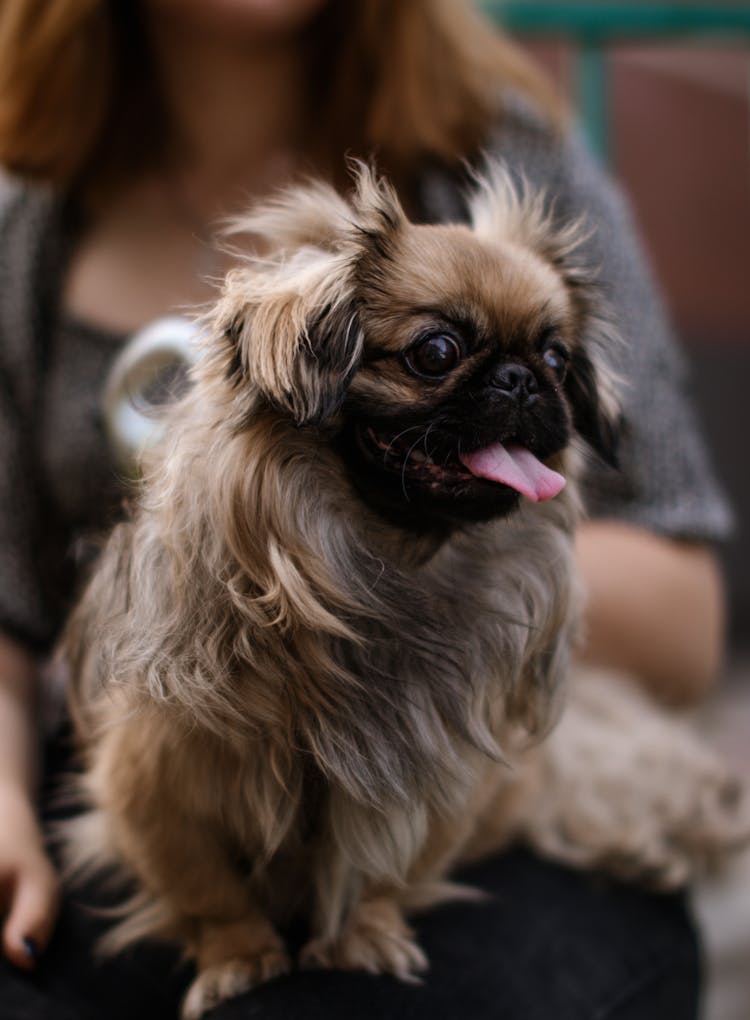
[[344, 605]]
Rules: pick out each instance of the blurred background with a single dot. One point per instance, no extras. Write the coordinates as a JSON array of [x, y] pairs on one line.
[[664, 92]]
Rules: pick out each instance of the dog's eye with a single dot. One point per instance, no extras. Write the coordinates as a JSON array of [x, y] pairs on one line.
[[556, 357], [434, 356]]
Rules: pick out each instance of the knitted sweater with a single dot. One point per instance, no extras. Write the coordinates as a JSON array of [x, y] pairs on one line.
[[57, 482]]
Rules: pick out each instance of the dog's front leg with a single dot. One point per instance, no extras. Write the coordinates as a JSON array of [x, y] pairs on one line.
[[171, 833], [234, 945], [373, 937], [233, 957], [357, 922]]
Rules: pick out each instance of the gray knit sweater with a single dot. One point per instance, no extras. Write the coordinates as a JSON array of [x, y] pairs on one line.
[[57, 483]]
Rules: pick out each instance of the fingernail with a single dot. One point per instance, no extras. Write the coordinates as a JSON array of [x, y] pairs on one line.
[[32, 950]]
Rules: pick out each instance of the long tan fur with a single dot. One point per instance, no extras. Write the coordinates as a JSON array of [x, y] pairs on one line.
[[288, 704]]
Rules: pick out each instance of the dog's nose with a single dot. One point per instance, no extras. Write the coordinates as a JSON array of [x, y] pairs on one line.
[[516, 381]]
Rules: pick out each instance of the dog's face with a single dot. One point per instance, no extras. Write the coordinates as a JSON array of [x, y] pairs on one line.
[[459, 406], [447, 365]]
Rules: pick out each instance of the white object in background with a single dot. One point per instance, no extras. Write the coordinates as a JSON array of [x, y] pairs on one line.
[[159, 350]]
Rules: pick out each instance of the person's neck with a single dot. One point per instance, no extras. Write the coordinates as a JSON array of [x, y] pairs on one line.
[[237, 112]]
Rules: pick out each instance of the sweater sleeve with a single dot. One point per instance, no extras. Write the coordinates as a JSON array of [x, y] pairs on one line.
[[22, 604], [24, 614], [666, 482]]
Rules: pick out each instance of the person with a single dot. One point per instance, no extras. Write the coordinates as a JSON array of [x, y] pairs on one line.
[[128, 130]]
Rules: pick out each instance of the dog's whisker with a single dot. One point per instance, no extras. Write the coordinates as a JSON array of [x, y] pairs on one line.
[[398, 436], [429, 429], [414, 445], [403, 482]]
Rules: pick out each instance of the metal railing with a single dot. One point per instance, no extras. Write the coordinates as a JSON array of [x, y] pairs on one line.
[[594, 25]]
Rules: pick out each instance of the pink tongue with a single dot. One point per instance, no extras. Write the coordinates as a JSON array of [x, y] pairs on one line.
[[517, 467]]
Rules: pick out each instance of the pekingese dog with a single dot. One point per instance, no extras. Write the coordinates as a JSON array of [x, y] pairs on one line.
[[346, 600]]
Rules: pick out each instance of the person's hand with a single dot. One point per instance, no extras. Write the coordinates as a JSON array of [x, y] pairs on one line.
[[29, 886]]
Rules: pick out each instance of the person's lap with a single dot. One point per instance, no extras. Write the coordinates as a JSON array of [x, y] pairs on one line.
[[548, 943]]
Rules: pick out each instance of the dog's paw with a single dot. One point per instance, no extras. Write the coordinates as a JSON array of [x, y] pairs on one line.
[[230, 978], [631, 790], [716, 820], [376, 940], [682, 826]]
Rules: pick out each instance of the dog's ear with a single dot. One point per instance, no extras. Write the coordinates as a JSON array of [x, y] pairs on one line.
[[500, 206], [597, 416], [291, 331], [289, 320]]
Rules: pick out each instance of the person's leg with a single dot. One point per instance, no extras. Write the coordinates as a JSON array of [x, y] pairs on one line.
[[548, 942]]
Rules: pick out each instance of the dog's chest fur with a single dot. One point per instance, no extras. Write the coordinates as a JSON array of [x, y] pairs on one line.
[[471, 652]]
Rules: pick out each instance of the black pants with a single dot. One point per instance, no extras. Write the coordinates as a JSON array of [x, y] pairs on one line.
[[550, 944]]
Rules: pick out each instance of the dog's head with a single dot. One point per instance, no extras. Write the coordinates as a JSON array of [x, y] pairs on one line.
[[449, 366]]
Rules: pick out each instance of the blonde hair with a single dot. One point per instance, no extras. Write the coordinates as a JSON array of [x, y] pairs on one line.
[[410, 79]]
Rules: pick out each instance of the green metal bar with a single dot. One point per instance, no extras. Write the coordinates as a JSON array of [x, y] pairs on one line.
[[593, 97], [603, 21], [595, 24]]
